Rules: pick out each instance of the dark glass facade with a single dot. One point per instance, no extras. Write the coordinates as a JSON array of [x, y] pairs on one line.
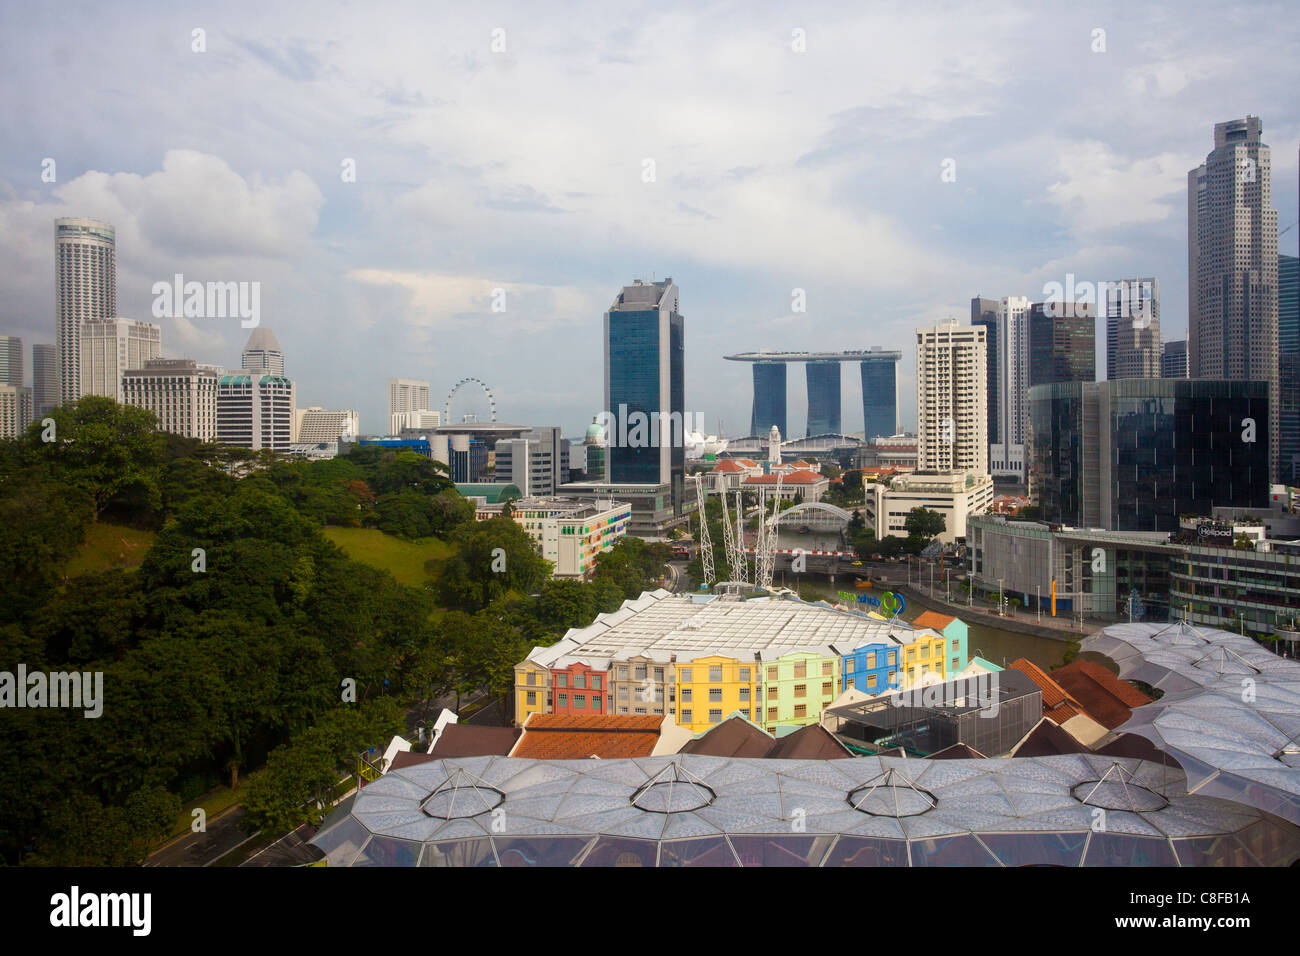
[[677, 397], [880, 397], [1062, 347], [1288, 367], [1135, 454], [769, 399], [823, 398]]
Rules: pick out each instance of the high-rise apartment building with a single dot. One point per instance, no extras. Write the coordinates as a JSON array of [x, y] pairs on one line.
[[15, 410], [645, 381], [262, 353], [85, 288], [1173, 359], [421, 419], [45, 378], [1062, 343], [11, 360], [316, 425], [181, 395], [951, 399], [1232, 262], [407, 395], [537, 462], [109, 347], [1132, 309], [255, 410], [988, 313]]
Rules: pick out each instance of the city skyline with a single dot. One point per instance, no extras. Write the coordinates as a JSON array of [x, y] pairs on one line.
[[397, 268]]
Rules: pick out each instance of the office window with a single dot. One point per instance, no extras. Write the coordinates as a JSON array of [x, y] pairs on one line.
[[595, 702], [532, 678], [639, 710], [801, 690], [638, 672], [622, 673], [827, 688], [686, 716], [715, 695], [954, 664], [564, 700], [871, 681], [826, 668], [744, 712], [580, 701], [531, 698], [686, 675], [801, 710], [871, 659], [715, 672], [622, 692], [925, 651], [744, 693], [801, 669], [771, 713], [580, 680], [774, 692], [595, 682], [848, 665], [715, 716], [771, 673], [561, 680], [686, 695], [659, 673], [744, 674]]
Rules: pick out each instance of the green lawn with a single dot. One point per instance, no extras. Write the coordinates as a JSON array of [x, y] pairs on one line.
[[403, 559], [110, 546]]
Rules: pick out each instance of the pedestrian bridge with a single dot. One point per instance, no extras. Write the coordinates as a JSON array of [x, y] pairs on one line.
[[815, 515]]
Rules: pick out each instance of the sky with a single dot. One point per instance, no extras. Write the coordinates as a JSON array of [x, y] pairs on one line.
[[558, 151]]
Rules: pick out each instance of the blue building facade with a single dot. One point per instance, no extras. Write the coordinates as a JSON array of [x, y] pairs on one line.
[[823, 398], [871, 668], [880, 396], [769, 399]]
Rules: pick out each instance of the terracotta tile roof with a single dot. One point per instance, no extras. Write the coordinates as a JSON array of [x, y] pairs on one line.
[[1057, 702], [748, 462], [727, 466], [575, 736], [933, 619], [734, 737], [1103, 696], [793, 478], [463, 740], [813, 742]]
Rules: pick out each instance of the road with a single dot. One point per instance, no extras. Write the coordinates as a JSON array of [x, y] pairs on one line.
[[200, 849]]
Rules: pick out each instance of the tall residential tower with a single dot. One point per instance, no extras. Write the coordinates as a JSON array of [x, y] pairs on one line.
[[85, 288]]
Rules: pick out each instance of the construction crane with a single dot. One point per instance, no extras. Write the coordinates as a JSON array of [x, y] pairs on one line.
[[706, 545], [742, 564], [765, 563], [728, 535]]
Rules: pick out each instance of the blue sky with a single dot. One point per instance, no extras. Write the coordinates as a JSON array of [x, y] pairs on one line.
[[524, 169]]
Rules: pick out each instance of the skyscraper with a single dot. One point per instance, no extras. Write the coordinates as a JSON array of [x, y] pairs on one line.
[[181, 395], [1288, 367], [1007, 350], [769, 398], [987, 312], [1232, 264], [1132, 309], [823, 398], [45, 378], [1173, 359], [407, 395], [1062, 343], [645, 381], [262, 353], [951, 395], [255, 410], [85, 288], [109, 347], [879, 393], [11, 360]]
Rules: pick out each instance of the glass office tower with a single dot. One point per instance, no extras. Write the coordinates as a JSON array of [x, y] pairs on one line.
[[823, 398], [769, 399], [880, 394]]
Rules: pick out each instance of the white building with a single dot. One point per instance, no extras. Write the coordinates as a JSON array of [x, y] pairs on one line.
[[952, 399], [255, 410], [15, 410], [109, 347], [181, 395], [955, 496], [85, 288], [316, 425], [263, 353], [568, 532], [537, 462], [419, 419], [1007, 360], [406, 395]]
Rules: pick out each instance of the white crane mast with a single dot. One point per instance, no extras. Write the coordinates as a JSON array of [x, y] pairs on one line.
[[765, 566], [706, 544]]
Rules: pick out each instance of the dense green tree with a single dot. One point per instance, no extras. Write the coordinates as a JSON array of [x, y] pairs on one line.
[[492, 557], [924, 524]]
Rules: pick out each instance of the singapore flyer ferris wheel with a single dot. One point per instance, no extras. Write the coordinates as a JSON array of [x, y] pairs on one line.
[[492, 404]]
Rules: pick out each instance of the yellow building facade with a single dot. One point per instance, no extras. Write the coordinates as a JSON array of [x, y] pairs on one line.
[[710, 688]]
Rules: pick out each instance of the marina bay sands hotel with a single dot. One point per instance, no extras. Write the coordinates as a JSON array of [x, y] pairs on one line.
[[879, 369]]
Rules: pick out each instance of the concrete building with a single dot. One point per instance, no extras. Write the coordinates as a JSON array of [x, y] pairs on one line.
[[1132, 310], [262, 353], [11, 360], [15, 410], [255, 410], [1173, 359], [421, 419], [315, 425], [85, 289], [1007, 348], [952, 399], [594, 446], [644, 358], [1232, 284], [407, 395], [568, 532], [45, 379], [956, 496], [1135, 454], [109, 347], [182, 396], [537, 461]]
